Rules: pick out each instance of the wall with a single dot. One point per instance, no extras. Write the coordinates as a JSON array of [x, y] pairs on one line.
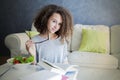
[[17, 15]]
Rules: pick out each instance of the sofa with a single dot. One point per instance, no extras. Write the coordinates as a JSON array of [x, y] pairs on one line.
[[106, 58]]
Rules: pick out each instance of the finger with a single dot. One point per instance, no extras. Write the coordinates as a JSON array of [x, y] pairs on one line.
[[29, 41]]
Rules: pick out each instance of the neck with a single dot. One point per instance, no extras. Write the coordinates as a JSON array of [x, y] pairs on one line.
[[52, 36]]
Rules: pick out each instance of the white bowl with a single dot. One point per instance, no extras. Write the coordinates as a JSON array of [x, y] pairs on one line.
[[20, 66], [10, 60]]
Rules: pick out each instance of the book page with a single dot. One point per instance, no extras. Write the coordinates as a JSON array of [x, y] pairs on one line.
[[62, 67], [44, 65], [66, 67]]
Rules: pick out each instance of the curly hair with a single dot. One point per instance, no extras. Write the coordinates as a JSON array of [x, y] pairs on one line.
[[41, 20]]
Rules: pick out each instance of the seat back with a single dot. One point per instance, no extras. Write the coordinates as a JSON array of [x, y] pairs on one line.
[[76, 38]]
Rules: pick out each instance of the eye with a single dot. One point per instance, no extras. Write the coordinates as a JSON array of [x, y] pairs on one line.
[[54, 21]]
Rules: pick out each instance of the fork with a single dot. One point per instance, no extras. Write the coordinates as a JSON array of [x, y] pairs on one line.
[[41, 41]]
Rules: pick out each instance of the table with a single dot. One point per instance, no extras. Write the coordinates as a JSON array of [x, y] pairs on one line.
[[28, 72], [14, 73], [85, 73], [92, 73]]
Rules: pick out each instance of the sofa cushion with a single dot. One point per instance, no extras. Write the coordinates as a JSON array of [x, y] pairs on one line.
[[77, 32], [90, 59], [93, 41]]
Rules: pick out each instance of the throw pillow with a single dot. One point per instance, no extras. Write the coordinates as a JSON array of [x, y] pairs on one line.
[[93, 41], [31, 33]]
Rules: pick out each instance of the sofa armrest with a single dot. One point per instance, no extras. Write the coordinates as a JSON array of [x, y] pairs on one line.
[[16, 43]]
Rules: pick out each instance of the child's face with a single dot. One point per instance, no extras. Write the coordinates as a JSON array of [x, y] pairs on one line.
[[54, 23]]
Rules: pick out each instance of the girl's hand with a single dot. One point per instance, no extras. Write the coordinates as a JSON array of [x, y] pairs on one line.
[[30, 46]]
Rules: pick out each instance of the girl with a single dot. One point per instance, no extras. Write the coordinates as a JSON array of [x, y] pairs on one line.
[[54, 23]]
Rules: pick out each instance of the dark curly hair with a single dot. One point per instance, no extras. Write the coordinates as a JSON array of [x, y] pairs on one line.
[[41, 20]]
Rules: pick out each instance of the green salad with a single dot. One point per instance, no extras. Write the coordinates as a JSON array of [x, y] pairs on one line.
[[22, 60]]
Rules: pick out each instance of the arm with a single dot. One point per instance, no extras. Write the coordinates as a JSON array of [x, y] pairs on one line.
[[30, 47]]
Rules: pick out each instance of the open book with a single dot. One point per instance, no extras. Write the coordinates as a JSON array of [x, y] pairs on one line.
[[64, 69]]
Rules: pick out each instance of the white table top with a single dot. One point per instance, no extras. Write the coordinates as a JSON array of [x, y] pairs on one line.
[[27, 72], [15, 73], [85, 73]]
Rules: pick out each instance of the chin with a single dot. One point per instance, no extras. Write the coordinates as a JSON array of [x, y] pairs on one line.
[[53, 32]]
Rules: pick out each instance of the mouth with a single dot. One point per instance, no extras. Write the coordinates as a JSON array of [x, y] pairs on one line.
[[53, 29]]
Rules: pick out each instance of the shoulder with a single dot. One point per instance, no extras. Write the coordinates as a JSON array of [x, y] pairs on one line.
[[62, 41], [36, 38]]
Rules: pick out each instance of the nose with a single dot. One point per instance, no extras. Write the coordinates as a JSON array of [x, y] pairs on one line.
[[56, 25]]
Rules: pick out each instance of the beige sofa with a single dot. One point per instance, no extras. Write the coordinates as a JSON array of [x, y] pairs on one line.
[[16, 44]]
